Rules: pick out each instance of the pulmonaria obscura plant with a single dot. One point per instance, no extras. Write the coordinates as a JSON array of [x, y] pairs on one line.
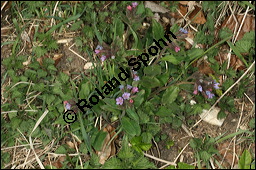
[[127, 95], [205, 86], [180, 35]]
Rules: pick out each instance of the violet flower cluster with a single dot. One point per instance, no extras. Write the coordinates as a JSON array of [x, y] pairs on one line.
[[205, 87], [128, 91], [103, 52]]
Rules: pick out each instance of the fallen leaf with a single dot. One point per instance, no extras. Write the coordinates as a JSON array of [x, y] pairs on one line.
[[228, 149], [197, 16], [249, 24], [107, 150], [89, 66]]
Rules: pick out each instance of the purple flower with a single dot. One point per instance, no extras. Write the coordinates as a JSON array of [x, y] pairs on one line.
[[99, 47], [183, 30], [200, 88], [136, 78], [209, 94], [129, 86], [103, 58], [134, 4], [119, 101], [67, 105], [177, 49], [97, 51], [216, 85], [135, 89], [126, 95]]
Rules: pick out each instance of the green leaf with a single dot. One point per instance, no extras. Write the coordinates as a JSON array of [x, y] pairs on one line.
[[132, 114], [99, 140], [85, 90], [39, 51], [152, 70], [183, 165], [170, 95], [243, 46], [139, 98], [163, 111], [171, 59], [194, 53], [245, 160], [150, 82], [12, 115], [119, 27], [157, 30], [49, 99], [63, 77], [237, 52], [61, 150], [130, 127]]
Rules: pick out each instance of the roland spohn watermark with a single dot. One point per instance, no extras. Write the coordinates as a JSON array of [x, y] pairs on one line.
[[135, 63]]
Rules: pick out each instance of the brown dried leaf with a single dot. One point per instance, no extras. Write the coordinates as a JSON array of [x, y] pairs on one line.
[[225, 148], [235, 62], [183, 2], [197, 16], [110, 150], [249, 24], [57, 58]]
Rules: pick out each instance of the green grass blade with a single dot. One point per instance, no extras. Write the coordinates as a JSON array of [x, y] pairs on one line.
[[236, 51]]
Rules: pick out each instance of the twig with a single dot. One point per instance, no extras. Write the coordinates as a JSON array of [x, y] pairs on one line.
[[76, 52], [206, 114], [158, 159]]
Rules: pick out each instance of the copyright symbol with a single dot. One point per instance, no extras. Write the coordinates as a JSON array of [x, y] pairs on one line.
[[69, 116]]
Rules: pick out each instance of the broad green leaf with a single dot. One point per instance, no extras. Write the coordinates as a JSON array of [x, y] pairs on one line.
[[139, 98], [150, 82], [12, 115], [170, 95], [119, 27], [85, 90], [163, 78], [157, 30], [163, 111], [145, 146], [171, 59], [64, 78], [132, 114], [99, 140], [243, 46], [245, 160], [152, 70], [130, 127]]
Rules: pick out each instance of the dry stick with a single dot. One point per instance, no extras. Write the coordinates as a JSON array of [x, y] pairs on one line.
[[158, 159], [223, 95], [55, 7], [77, 151], [242, 23], [76, 52], [157, 148], [175, 158], [238, 124], [19, 146], [30, 139], [249, 99]]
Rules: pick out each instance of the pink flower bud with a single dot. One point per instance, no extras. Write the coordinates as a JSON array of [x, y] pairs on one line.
[[177, 49], [129, 8], [97, 51], [195, 92], [131, 101]]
